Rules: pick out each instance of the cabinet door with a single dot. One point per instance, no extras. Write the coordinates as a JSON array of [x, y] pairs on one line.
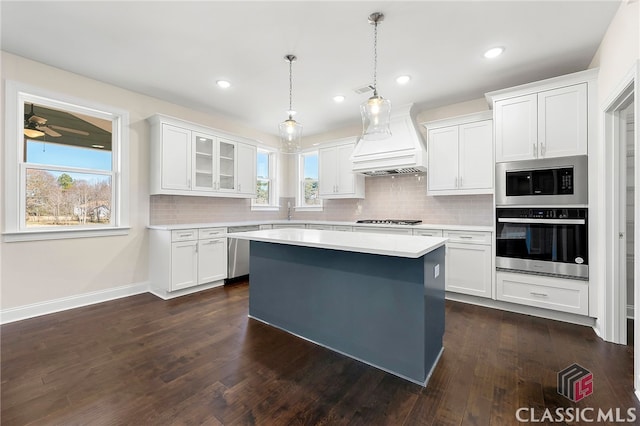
[[443, 159], [184, 265], [247, 173], [176, 158], [345, 179], [226, 166], [475, 142], [212, 260], [516, 128], [327, 171], [562, 121], [468, 269], [204, 171]]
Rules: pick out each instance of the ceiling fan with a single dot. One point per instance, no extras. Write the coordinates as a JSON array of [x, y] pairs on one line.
[[35, 126]]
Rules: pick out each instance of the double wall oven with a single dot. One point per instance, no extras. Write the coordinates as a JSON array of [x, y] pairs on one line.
[[542, 217]]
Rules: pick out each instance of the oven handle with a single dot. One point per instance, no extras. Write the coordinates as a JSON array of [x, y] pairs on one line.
[[543, 221]]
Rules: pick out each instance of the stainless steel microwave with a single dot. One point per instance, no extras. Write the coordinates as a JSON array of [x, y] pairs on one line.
[[545, 182]]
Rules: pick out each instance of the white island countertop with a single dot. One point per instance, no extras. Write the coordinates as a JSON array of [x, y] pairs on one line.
[[382, 244]]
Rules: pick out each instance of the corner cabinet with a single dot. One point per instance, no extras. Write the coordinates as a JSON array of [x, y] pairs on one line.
[[546, 119], [188, 159], [460, 155], [335, 176]]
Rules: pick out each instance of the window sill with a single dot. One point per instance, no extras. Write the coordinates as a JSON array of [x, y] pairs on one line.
[[265, 208], [61, 234]]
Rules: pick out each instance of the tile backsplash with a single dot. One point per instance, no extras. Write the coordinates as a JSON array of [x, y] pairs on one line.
[[386, 197]]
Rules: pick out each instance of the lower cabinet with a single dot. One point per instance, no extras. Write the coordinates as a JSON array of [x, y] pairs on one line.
[[181, 259], [380, 230], [469, 269], [559, 294]]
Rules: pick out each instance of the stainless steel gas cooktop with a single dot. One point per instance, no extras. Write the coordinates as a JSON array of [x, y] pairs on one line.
[[391, 221]]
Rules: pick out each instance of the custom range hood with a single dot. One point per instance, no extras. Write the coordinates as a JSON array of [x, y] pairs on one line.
[[403, 152]]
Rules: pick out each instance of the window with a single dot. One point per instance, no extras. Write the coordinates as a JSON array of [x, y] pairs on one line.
[[266, 197], [307, 197], [66, 167]]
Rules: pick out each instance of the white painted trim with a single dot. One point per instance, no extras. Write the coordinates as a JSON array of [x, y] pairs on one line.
[[71, 302], [166, 295], [630, 312], [522, 309], [59, 234]]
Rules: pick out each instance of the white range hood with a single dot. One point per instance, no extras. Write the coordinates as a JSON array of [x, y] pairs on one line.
[[403, 152]]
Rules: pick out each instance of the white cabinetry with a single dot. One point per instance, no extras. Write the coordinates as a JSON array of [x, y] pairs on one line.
[[380, 230], [545, 119], [428, 232], [469, 267], [544, 292], [335, 176], [182, 259], [460, 155], [188, 159]]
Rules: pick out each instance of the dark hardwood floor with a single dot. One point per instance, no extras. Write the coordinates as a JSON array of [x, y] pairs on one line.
[[199, 360]]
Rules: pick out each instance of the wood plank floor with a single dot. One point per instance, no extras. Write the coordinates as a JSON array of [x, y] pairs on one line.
[[198, 360]]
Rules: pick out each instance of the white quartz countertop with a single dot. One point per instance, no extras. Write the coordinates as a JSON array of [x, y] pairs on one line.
[[180, 226], [386, 245]]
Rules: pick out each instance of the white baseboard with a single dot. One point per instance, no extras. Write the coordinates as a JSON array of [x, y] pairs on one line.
[[165, 295], [64, 303], [523, 309]]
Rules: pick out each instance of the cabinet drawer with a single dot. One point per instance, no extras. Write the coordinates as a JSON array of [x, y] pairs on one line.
[[320, 227], [428, 232], [184, 235], [474, 237], [211, 232], [544, 292]]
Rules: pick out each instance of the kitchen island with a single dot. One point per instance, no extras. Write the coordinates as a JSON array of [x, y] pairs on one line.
[[376, 298]]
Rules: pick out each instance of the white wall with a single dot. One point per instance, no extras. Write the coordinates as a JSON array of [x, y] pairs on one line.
[[34, 272]]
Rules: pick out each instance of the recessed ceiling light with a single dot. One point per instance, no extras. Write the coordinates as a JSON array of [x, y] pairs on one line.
[[338, 98], [493, 52], [224, 84], [403, 79]]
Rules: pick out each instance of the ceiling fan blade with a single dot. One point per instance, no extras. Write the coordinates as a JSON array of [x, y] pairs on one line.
[[68, 130], [49, 131], [38, 120]]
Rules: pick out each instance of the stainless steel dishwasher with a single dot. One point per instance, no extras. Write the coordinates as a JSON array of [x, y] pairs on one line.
[[238, 252]]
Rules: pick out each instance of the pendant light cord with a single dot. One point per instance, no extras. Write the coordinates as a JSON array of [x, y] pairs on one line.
[[375, 58], [290, 87]]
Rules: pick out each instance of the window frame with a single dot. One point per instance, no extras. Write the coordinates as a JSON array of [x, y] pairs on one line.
[[300, 206], [14, 224], [273, 204]]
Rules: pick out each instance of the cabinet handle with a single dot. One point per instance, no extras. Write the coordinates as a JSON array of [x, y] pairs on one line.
[[465, 237], [240, 187], [461, 185], [189, 183], [533, 293], [186, 235], [455, 182], [208, 243], [543, 150]]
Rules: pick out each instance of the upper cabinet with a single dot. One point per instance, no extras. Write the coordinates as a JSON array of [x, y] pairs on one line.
[[460, 152], [335, 176], [187, 159], [544, 120]]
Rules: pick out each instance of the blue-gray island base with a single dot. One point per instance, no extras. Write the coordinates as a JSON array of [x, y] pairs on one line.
[[386, 311]]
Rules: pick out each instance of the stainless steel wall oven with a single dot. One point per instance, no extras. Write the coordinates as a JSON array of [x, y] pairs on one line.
[[545, 241], [542, 217]]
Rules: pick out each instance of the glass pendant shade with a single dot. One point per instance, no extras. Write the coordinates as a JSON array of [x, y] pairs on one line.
[[376, 117], [290, 136]]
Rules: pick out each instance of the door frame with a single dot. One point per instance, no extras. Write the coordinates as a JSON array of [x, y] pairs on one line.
[[613, 292]]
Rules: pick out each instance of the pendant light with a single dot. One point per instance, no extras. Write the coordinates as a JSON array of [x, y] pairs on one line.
[[290, 129], [376, 111]]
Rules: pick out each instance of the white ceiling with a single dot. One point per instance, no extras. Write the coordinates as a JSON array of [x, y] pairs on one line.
[[177, 50]]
